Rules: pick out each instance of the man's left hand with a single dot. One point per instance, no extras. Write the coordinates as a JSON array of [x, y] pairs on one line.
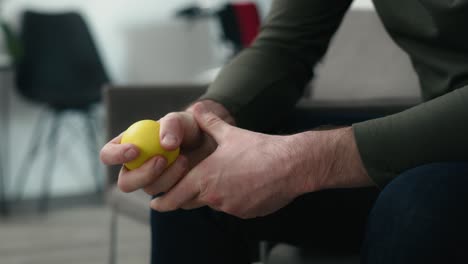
[[250, 174]]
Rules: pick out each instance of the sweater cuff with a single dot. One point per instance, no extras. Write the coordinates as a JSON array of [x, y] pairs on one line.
[[223, 100], [366, 140]]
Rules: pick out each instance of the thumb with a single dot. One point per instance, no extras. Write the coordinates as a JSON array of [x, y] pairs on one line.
[[210, 123]]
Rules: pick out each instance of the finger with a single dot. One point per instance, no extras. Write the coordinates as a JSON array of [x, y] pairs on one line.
[[132, 180], [210, 123], [171, 131], [177, 128], [169, 177], [184, 191], [115, 153], [194, 204]]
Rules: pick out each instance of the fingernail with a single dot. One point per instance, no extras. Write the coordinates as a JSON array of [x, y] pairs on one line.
[[160, 164], [169, 140], [130, 154]]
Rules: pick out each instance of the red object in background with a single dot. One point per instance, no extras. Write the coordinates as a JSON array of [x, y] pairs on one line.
[[248, 20]]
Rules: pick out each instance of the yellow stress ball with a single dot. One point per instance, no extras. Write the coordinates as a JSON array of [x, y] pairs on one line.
[[145, 135]]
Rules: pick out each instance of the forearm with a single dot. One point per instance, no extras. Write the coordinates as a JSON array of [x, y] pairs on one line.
[[435, 131], [265, 81], [328, 159], [259, 88]]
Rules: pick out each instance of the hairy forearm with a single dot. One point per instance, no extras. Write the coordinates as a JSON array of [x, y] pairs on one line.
[[323, 159], [329, 159]]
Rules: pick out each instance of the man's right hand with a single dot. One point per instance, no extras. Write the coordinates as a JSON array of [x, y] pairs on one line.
[[178, 129]]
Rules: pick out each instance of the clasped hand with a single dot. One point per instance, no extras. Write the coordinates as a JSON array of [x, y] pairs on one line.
[[242, 173]]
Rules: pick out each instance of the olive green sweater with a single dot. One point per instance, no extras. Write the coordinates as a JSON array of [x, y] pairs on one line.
[[267, 79]]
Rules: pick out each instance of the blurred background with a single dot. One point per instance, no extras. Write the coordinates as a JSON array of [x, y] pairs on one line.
[[55, 57], [139, 42]]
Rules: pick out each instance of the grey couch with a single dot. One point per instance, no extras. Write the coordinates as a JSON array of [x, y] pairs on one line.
[[360, 64]]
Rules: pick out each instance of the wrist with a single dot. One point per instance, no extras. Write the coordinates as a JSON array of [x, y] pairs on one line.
[[329, 159], [347, 169]]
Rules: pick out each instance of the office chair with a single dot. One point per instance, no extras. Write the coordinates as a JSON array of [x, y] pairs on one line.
[[59, 66]]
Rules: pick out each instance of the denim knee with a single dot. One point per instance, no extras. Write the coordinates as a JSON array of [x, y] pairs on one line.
[[421, 217]]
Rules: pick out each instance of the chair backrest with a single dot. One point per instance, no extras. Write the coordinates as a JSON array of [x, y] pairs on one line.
[[60, 64], [128, 104]]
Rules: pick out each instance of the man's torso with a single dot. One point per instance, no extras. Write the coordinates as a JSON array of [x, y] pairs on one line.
[[435, 35]]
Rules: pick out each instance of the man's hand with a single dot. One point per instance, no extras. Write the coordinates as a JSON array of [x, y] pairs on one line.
[[252, 174], [240, 172], [177, 129], [248, 175]]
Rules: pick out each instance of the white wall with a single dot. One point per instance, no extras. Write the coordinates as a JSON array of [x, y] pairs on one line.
[[108, 20], [111, 21]]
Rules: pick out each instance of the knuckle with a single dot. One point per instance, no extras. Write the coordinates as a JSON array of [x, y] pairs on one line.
[[210, 195], [197, 105], [150, 190], [203, 199], [119, 156], [214, 200], [123, 185], [212, 120], [171, 117]]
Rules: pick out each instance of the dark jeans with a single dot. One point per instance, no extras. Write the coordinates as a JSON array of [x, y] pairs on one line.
[[420, 217]]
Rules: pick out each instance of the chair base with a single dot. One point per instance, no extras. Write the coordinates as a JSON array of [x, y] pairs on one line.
[[51, 143]]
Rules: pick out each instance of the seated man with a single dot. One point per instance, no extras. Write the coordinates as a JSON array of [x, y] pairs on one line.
[[391, 187]]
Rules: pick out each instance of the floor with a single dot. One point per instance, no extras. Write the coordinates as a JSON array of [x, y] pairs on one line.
[[75, 235]]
